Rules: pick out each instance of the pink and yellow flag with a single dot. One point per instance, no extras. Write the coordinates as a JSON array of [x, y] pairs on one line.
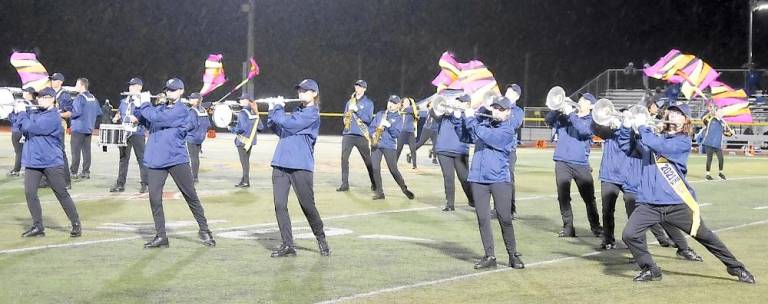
[[472, 77], [693, 73], [214, 74], [732, 104], [31, 71]]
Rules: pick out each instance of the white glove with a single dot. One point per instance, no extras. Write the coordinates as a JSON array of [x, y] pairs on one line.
[[19, 107], [352, 107], [639, 122], [469, 112], [457, 114], [386, 123], [567, 109], [615, 123]]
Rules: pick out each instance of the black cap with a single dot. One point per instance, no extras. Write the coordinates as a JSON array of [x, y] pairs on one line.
[[195, 95], [308, 84], [57, 76], [394, 99], [173, 84], [135, 80], [46, 92], [30, 90], [361, 83]]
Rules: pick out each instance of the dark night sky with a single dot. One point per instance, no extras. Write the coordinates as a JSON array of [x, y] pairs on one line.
[[569, 42]]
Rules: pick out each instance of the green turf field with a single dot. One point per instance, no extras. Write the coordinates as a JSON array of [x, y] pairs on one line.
[[390, 251]]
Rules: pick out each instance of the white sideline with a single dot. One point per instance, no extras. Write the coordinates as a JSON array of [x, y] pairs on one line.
[[477, 274]]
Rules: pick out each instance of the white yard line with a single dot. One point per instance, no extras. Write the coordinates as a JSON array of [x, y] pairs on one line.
[[477, 274], [760, 208]]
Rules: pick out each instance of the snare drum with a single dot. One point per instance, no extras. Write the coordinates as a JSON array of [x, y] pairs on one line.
[[223, 116], [113, 135]]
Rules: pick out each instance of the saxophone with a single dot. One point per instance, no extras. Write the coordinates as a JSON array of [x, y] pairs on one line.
[[379, 130], [348, 113]]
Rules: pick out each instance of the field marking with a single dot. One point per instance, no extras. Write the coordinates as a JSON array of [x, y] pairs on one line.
[[395, 238], [760, 208], [477, 274]]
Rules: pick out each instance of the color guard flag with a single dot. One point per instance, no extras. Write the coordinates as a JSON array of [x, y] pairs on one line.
[[214, 74], [31, 71]]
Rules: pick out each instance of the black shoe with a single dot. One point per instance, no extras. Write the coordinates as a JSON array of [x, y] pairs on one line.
[[597, 231], [666, 242], [514, 216], [515, 261], [708, 177], [689, 254], [144, 188], [117, 188], [414, 167], [647, 275], [567, 233], [157, 242], [408, 157], [74, 176], [486, 262], [378, 196], [34, 232], [446, 209], [85, 176], [722, 176], [243, 185], [343, 187], [408, 194], [77, 230], [207, 238], [68, 186], [16, 173], [283, 251], [44, 184], [607, 246], [742, 274], [322, 245], [434, 161], [431, 154], [472, 204]]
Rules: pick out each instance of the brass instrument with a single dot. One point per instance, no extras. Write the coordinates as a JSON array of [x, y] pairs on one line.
[[727, 131], [348, 113], [443, 105], [556, 100], [604, 112]]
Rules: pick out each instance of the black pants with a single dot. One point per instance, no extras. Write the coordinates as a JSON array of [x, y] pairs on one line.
[[458, 165], [679, 216], [502, 196], [582, 174], [426, 134], [359, 142], [390, 156], [194, 158], [81, 143], [135, 143], [301, 180], [410, 139], [512, 162], [245, 163], [182, 176], [55, 176], [67, 176], [610, 193], [717, 151], [17, 149]]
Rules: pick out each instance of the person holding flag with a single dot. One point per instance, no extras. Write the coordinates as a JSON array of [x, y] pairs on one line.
[[248, 123]]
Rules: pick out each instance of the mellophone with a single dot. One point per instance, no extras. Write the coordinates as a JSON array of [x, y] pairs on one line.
[[224, 114]]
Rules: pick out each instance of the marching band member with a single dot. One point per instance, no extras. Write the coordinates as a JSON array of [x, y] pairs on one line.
[[28, 95], [489, 176], [572, 162], [517, 117], [42, 131], [358, 113], [135, 140], [293, 164], [428, 132], [166, 153], [665, 196], [386, 128], [409, 118], [453, 156], [196, 137], [620, 171], [64, 105], [715, 127], [248, 124], [85, 110]]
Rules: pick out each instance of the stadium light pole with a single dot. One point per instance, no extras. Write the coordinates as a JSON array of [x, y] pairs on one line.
[[249, 8], [754, 7]]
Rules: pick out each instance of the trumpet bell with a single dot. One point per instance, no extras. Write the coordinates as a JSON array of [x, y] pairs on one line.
[[555, 98], [440, 105], [603, 112], [639, 111]]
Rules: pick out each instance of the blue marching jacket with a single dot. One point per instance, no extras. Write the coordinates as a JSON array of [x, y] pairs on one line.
[[713, 134], [64, 101], [613, 166], [85, 110], [406, 120], [13, 117], [447, 138], [364, 112], [298, 134], [390, 134], [245, 120], [123, 110], [200, 124], [654, 189], [634, 161], [168, 126], [44, 138], [574, 137], [494, 143]]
